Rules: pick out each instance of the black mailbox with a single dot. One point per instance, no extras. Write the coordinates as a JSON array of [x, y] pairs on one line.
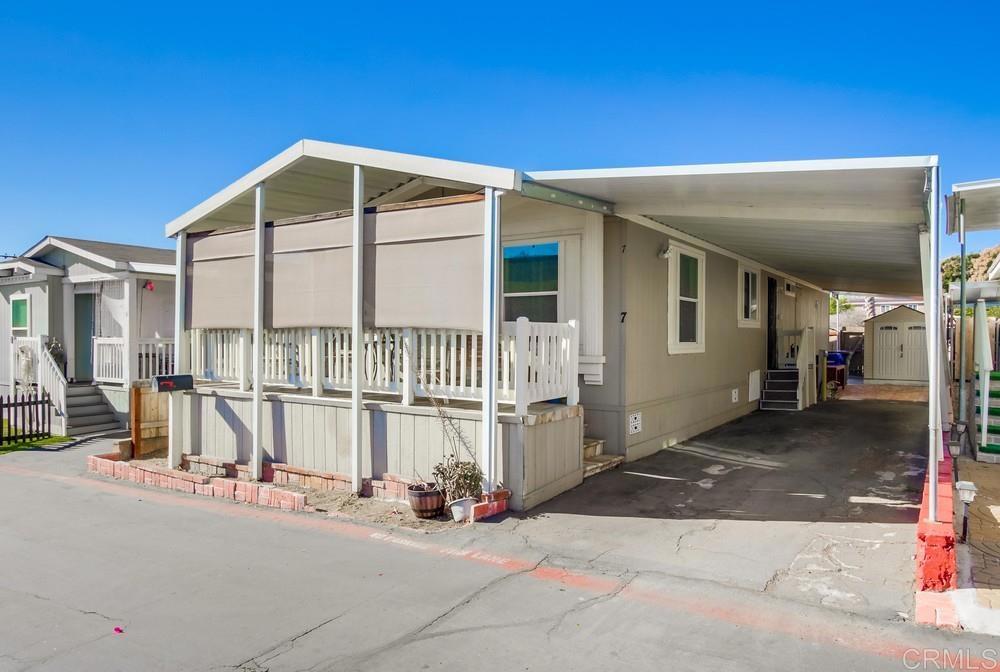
[[175, 383]]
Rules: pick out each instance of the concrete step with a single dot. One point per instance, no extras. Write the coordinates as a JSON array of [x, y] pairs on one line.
[[80, 390], [781, 384], [84, 400], [592, 447], [595, 465], [95, 419], [780, 395], [779, 405], [83, 411], [93, 429]]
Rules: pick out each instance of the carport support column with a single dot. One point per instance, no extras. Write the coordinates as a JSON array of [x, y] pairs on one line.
[[491, 263], [934, 438], [961, 319], [357, 327], [175, 440], [257, 431]]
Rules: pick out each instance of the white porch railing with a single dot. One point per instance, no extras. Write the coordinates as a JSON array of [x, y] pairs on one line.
[[537, 361], [155, 357], [109, 359], [32, 364], [984, 364]]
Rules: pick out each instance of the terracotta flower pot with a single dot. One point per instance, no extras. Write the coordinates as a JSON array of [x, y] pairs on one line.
[[425, 499]]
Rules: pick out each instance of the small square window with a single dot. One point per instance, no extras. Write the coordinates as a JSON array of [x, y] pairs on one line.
[[748, 291], [20, 317]]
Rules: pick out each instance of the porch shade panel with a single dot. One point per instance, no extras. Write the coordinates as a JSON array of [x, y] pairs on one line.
[[424, 265], [307, 273], [219, 287]]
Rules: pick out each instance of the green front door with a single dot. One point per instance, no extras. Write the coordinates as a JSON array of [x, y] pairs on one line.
[[83, 334]]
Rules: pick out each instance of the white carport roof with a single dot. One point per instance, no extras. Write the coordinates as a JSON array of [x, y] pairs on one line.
[[312, 176], [840, 224], [980, 203]]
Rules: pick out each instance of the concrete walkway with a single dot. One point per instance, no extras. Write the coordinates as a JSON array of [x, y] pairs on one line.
[[109, 575]]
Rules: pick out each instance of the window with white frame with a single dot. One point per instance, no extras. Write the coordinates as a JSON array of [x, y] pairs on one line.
[[686, 291], [531, 273], [749, 296], [20, 316]]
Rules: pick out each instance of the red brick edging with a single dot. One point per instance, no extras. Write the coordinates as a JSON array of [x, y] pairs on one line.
[[936, 564]]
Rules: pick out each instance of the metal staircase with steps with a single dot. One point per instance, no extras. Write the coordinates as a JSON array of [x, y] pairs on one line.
[[87, 412], [781, 390], [594, 459], [992, 443]]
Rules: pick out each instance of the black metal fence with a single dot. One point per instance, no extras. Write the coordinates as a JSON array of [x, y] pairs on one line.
[[25, 417]]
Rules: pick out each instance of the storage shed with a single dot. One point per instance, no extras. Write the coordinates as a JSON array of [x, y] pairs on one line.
[[896, 347]]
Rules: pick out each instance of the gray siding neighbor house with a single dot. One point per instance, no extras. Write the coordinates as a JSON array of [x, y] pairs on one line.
[[82, 319]]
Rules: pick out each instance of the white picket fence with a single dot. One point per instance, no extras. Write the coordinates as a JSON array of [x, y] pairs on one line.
[[537, 361]]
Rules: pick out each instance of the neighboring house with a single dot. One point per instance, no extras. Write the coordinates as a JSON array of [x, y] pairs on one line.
[[82, 319], [638, 307]]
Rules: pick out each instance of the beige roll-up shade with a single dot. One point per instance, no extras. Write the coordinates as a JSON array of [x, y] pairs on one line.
[[220, 281], [424, 265], [308, 279]]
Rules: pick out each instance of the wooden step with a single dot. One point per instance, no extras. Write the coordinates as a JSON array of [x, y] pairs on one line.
[[771, 405], [595, 465], [592, 447], [782, 374]]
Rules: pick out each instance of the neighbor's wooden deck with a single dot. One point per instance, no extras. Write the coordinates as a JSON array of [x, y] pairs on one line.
[[862, 392]]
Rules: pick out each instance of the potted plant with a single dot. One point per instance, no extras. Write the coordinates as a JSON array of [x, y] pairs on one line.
[[462, 483], [426, 499]]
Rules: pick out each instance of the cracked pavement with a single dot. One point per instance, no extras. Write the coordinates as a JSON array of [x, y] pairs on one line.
[[197, 584]]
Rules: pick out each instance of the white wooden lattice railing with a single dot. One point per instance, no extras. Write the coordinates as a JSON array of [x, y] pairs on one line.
[[109, 359], [537, 361]]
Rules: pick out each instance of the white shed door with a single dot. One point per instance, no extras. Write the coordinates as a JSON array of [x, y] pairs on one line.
[[888, 352], [901, 352], [915, 348]]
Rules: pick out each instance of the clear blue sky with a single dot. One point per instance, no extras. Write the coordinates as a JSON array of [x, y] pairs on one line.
[[115, 120]]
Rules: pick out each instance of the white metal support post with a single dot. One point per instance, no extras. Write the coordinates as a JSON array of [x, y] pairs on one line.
[[257, 431], [130, 365], [491, 262], [934, 346], [961, 318], [357, 327], [175, 419]]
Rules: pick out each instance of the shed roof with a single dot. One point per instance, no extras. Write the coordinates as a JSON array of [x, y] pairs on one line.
[[890, 312]]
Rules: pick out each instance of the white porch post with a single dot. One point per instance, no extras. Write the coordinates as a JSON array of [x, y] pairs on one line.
[[130, 367], [357, 327], [69, 328], [934, 347], [175, 442], [257, 430], [961, 318], [491, 255]]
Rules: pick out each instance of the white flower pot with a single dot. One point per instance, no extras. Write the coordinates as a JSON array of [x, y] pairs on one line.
[[461, 509]]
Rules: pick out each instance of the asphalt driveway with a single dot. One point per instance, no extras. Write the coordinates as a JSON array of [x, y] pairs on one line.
[[818, 506]]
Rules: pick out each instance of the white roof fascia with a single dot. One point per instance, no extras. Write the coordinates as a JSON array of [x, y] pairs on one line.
[[30, 267], [974, 185], [704, 244], [155, 269], [818, 165], [994, 272], [50, 241], [419, 166]]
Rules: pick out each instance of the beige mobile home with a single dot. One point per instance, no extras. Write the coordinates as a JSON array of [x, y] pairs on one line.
[[635, 307], [81, 320]]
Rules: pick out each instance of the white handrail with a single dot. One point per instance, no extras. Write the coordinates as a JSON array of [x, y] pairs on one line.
[[983, 359], [52, 380]]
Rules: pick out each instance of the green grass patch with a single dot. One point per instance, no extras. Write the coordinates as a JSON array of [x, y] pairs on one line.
[[27, 445]]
